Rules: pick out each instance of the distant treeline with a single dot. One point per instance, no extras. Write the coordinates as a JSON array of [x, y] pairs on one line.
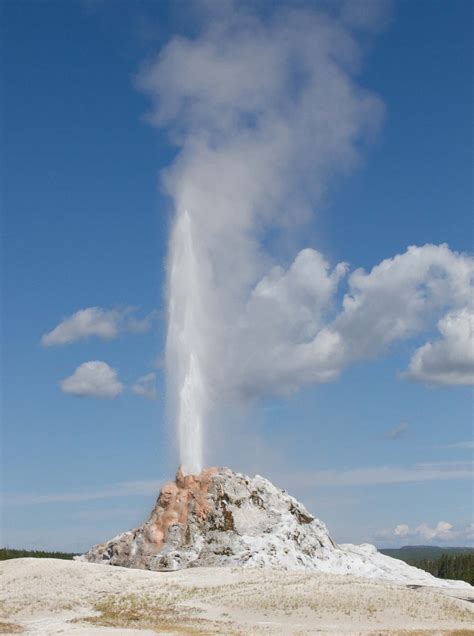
[[445, 563], [421, 552], [10, 553], [449, 566]]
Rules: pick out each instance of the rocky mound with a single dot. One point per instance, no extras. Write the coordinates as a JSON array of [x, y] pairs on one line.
[[223, 518]]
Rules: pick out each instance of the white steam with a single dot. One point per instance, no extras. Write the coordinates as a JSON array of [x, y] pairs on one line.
[[265, 115]]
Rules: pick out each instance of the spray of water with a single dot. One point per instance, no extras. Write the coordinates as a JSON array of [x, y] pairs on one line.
[[185, 347], [265, 113]]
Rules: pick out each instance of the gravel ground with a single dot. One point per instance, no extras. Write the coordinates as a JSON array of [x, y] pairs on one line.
[[50, 596]]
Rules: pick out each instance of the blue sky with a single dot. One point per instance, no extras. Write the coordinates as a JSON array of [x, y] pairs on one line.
[[85, 224]]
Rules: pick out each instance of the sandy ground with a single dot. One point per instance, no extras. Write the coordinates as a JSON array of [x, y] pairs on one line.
[[50, 596]]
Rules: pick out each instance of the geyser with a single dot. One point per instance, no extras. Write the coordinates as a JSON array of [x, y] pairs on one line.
[[256, 150], [265, 114], [184, 346]]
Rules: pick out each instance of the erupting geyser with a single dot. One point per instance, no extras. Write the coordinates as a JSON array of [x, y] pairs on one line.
[[251, 108], [264, 115], [184, 345]]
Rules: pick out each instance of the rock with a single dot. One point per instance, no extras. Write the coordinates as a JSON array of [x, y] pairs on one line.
[[223, 518]]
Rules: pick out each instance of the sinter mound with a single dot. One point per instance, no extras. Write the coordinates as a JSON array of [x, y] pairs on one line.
[[223, 518]]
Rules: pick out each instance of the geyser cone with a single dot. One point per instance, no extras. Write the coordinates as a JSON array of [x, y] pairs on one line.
[[222, 518], [219, 517]]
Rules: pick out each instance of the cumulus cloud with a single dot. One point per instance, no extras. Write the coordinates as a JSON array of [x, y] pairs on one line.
[[449, 360], [93, 378], [146, 386], [397, 431], [443, 531], [400, 297], [95, 322], [402, 530], [297, 334]]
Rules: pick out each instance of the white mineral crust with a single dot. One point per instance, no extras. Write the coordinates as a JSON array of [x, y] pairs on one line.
[[223, 518]]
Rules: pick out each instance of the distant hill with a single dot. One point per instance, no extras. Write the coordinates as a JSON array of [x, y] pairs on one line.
[[12, 553], [409, 553]]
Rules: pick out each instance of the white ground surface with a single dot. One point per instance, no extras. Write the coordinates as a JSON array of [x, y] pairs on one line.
[[42, 596]]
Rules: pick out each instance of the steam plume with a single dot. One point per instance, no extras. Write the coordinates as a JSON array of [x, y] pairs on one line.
[[265, 114]]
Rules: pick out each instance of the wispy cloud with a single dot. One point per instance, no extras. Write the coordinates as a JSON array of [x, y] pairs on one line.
[[397, 431], [379, 475], [104, 513], [367, 15], [468, 445], [119, 489], [146, 386], [369, 476]]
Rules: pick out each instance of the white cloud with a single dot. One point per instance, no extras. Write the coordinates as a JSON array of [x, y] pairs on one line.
[[95, 322], [442, 532], [93, 378], [397, 431], [402, 530], [378, 475], [450, 360], [146, 386], [400, 297], [287, 338], [140, 325]]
